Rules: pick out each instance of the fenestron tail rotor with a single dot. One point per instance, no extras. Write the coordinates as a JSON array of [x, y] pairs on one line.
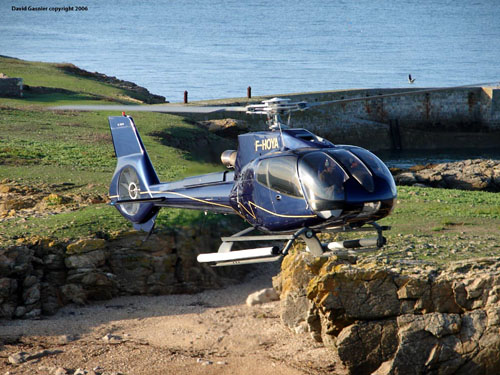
[[129, 188]]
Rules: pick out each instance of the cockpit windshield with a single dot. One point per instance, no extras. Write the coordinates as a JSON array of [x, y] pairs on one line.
[[323, 180], [355, 167]]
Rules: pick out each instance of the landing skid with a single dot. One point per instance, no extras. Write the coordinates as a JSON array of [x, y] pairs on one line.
[[226, 257]]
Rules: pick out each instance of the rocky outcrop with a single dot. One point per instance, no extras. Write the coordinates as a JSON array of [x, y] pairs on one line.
[[39, 275], [386, 319], [23, 201], [135, 91], [227, 127], [477, 174]]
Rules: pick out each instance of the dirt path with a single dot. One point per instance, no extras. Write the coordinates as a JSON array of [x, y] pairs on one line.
[[213, 332]]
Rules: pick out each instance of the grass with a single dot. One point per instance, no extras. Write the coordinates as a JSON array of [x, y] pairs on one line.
[[98, 220], [440, 225], [76, 86], [444, 224], [81, 142], [71, 145]]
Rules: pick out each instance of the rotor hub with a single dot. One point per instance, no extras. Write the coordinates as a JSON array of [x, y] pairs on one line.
[[274, 108]]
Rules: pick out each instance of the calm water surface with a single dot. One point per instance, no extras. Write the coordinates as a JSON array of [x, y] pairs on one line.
[[216, 49]]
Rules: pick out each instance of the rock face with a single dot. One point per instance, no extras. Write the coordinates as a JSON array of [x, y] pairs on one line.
[[388, 320], [475, 174], [227, 127], [39, 275]]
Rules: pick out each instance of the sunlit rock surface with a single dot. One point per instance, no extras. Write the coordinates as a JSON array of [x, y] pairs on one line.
[[390, 319], [476, 174]]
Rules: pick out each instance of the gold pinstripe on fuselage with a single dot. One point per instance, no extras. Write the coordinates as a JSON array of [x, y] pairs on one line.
[[251, 205]]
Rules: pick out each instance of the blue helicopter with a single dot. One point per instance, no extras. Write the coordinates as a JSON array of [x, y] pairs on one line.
[[288, 183]]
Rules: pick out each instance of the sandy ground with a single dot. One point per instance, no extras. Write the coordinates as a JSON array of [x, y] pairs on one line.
[[213, 332]]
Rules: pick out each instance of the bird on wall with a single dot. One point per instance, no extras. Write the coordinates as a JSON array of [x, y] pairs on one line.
[[410, 80]]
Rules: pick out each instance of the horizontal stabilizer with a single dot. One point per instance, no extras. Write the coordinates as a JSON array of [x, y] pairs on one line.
[[145, 200]]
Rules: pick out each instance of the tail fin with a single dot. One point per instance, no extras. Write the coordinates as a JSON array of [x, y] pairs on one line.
[[134, 173]]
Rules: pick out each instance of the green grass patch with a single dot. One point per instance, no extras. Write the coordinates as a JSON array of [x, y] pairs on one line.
[[81, 141], [443, 224], [67, 82]]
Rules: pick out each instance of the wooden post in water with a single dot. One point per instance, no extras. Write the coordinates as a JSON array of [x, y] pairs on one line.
[[185, 97], [249, 92]]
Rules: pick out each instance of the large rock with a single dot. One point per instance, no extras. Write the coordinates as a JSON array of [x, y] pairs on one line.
[[365, 344], [477, 174], [225, 127], [93, 259], [378, 319]]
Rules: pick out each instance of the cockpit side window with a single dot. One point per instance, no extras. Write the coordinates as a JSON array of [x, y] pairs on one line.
[[280, 174], [262, 172]]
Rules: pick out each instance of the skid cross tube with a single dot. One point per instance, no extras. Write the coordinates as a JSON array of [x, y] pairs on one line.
[[225, 256]]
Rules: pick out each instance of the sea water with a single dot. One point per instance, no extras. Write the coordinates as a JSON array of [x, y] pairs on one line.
[[216, 49]]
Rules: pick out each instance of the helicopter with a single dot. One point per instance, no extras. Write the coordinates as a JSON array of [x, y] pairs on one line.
[[286, 182]]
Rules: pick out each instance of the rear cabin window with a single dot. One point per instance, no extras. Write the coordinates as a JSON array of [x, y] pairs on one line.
[[280, 174]]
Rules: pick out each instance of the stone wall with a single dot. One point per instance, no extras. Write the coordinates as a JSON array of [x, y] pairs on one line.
[[392, 319], [455, 118], [39, 275]]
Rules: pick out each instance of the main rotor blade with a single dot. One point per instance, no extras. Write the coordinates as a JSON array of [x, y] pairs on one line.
[[422, 91], [151, 108]]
